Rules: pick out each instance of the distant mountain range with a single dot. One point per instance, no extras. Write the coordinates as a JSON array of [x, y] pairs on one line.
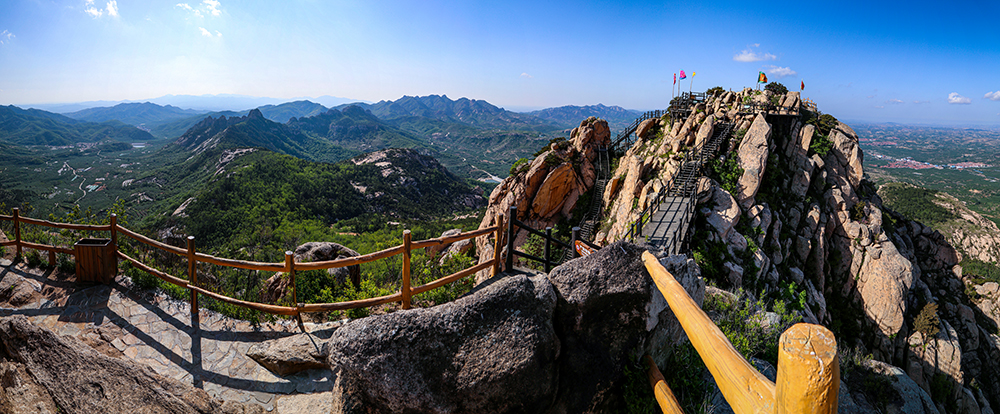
[[136, 114], [570, 116], [472, 112], [35, 127], [202, 103]]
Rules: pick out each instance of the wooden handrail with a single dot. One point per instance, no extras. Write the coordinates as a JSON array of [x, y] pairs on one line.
[[289, 265], [664, 397], [746, 390], [808, 371], [241, 264], [67, 226], [350, 261], [150, 242]]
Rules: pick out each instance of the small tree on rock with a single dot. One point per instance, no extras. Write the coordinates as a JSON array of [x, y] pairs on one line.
[[927, 322], [776, 88]]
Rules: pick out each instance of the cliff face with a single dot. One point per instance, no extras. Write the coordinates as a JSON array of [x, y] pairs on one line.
[[546, 190], [786, 208]]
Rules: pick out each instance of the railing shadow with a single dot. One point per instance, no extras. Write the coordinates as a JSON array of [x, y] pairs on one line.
[[90, 304]]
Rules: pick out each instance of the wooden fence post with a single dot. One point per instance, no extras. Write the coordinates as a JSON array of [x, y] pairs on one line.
[[192, 272], [114, 231], [17, 233], [192, 278], [510, 237], [290, 269], [405, 289], [497, 246], [808, 370]]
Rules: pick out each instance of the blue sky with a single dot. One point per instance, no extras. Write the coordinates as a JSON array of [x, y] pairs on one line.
[[911, 62]]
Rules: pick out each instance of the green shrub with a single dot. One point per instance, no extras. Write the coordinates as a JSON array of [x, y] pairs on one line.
[[776, 88], [716, 91], [520, 165], [65, 263], [820, 144], [727, 172], [33, 258], [927, 322]]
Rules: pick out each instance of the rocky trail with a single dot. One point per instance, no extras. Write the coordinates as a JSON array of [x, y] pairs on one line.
[[155, 330]]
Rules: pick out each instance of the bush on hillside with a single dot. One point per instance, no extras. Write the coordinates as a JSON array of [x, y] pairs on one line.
[[776, 88], [716, 91]]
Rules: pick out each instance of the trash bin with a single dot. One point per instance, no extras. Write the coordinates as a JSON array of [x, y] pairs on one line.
[[96, 261]]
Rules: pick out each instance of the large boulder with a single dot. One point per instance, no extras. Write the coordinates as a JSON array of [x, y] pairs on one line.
[[603, 307], [276, 287], [492, 350], [78, 379], [884, 283], [554, 192], [753, 152], [290, 354]]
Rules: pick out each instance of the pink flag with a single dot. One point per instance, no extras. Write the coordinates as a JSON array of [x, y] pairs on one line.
[[683, 76]]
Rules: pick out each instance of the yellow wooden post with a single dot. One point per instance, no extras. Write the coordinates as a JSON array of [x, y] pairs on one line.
[[405, 290], [746, 390], [664, 397], [808, 370], [497, 244], [17, 232], [192, 274]]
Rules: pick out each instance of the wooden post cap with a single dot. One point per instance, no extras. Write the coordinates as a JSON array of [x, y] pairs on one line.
[[808, 370]]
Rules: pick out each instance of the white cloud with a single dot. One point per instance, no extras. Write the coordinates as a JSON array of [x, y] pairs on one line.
[[89, 2], [184, 6], [780, 72], [921, 102], [113, 8], [205, 32], [993, 96], [526, 75], [894, 101], [93, 12], [880, 106], [217, 33], [5, 37], [213, 7], [749, 55], [955, 98]]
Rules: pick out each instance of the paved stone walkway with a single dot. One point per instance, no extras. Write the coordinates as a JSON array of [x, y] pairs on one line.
[[156, 330]]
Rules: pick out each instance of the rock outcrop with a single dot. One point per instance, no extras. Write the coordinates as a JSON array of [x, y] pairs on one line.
[[545, 190], [556, 343], [66, 375], [276, 287], [490, 351]]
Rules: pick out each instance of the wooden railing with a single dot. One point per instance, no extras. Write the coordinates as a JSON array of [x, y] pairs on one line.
[[808, 378], [289, 266]]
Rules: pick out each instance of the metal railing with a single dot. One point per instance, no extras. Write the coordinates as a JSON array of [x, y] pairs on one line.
[[549, 241]]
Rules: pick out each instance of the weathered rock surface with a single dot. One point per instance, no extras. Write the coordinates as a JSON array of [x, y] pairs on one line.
[[490, 351], [78, 379], [290, 354], [277, 286], [884, 282], [753, 152], [546, 189]]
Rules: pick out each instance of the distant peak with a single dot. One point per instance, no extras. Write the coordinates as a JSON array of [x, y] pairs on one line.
[[255, 114]]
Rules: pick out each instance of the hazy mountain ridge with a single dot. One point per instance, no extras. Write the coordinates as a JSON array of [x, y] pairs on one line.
[[136, 114], [569, 116], [37, 127]]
